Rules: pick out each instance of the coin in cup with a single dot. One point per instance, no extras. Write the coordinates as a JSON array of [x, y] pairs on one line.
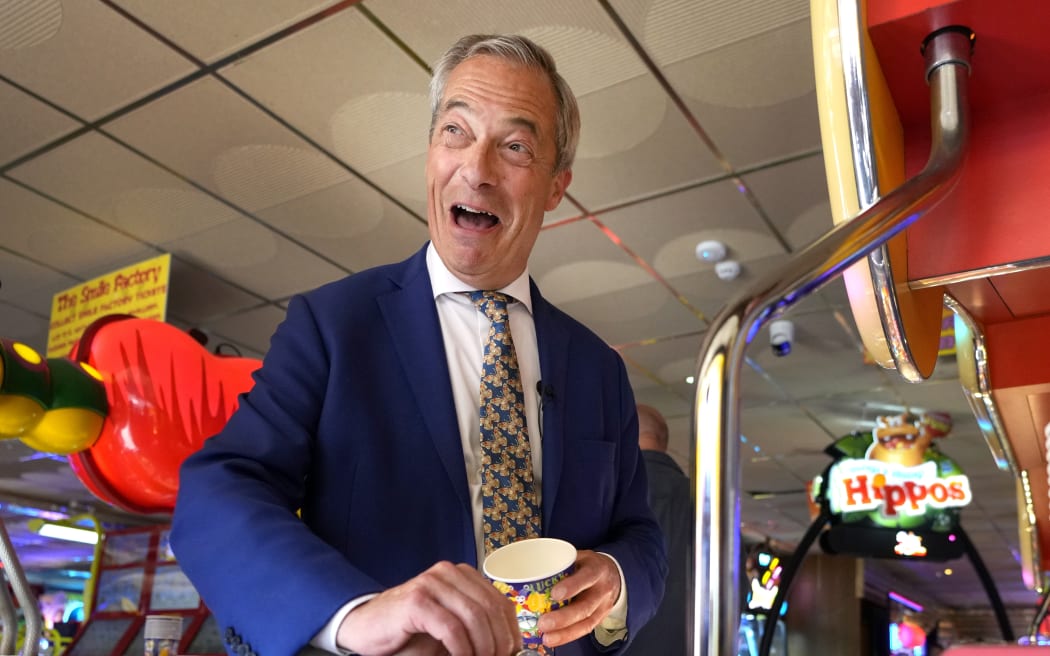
[[526, 571]]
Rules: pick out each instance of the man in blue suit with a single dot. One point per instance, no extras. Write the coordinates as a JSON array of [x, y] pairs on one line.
[[364, 418]]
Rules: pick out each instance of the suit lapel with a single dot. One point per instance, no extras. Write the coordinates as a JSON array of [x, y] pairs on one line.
[[411, 317], [552, 339]]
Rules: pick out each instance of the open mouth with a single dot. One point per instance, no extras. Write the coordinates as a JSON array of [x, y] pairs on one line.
[[472, 218], [897, 440]]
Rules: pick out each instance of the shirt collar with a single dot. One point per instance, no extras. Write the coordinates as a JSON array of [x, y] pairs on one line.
[[443, 281]]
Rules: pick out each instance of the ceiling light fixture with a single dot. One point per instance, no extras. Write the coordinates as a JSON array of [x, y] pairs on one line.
[[68, 530]]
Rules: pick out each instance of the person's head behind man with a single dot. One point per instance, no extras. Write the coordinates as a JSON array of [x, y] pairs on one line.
[[503, 134], [652, 429]]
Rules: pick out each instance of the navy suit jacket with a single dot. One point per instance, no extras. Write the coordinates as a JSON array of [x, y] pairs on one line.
[[351, 419]]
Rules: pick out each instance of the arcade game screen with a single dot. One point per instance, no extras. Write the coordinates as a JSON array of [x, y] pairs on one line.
[[907, 637]]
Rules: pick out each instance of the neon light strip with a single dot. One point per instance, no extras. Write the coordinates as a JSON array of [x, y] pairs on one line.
[[904, 601]]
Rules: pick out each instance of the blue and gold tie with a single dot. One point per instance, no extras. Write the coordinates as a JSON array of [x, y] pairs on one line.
[[508, 493]]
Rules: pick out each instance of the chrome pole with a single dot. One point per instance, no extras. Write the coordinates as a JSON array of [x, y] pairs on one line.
[[30, 610], [716, 466]]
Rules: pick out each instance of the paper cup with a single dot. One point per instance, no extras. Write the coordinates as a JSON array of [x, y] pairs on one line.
[[526, 571], [161, 635]]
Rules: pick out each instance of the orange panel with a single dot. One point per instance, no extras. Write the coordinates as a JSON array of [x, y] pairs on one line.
[[884, 11], [997, 212], [1012, 43], [981, 300], [1017, 352], [1025, 293], [1015, 405], [1039, 408]]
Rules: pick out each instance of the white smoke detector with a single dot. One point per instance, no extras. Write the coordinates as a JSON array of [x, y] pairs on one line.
[[710, 251], [727, 270]]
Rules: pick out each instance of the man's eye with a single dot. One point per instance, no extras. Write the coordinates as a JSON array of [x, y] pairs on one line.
[[519, 151]]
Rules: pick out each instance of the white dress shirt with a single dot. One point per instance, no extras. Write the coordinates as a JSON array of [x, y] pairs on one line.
[[464, 330]]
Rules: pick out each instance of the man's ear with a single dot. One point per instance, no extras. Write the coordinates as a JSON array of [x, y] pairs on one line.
[[559, 184]]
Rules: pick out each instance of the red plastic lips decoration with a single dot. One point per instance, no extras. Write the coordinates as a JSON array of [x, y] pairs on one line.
[[167, 394]]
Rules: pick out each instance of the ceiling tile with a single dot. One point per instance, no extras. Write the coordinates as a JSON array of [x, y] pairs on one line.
[[28, 123], [212, 30], [633, 314], [667, 359], [255, 258], [705, 290], [126, 191], [30, 285], [744, 70], [26, 327], [578, 260], [252, 328], [351, 224], [767, 430], [212, 136], [755, 97], [573, 32], [406, 181], [65, 59], [372, 112], [198, 296], [62, 239], [634, 143], [673, 30], [580, 269], [768, 476], [795, 198], [665, 231]]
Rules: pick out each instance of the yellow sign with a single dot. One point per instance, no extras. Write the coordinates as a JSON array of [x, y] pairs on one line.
[[140, 290]]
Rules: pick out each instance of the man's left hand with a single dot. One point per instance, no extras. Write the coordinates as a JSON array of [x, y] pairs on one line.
[[593, 587]]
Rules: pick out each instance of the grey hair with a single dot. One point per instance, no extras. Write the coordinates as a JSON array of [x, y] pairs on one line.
[[520, 50]]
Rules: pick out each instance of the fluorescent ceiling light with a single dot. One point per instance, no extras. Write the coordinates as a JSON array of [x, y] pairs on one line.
[[65, 532]]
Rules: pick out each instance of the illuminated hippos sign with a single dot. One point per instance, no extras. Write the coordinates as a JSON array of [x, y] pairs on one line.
[[892, 493], [895, 492]]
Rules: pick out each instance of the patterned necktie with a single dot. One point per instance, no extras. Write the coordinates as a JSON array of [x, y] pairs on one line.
[[508, 493]]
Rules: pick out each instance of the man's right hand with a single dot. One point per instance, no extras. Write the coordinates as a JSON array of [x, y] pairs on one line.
[[448, 609]]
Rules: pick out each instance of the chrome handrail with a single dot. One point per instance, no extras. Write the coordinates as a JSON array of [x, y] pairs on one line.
[[716, 466], [9, 621], [30, 610]]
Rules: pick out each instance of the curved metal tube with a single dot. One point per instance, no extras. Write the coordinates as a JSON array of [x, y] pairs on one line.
[[1040, 615], [716, 468], [973, 373], [9, 619], [30, 610], [881, 271]]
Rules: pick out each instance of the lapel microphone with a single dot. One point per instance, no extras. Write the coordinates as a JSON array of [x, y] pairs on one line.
[[545, 392]]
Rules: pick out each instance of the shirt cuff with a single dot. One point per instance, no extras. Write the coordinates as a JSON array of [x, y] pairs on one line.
[[326, 637], [613, 627]]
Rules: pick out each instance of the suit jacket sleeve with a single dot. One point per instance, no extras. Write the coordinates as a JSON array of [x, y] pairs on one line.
[[271, 581]]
